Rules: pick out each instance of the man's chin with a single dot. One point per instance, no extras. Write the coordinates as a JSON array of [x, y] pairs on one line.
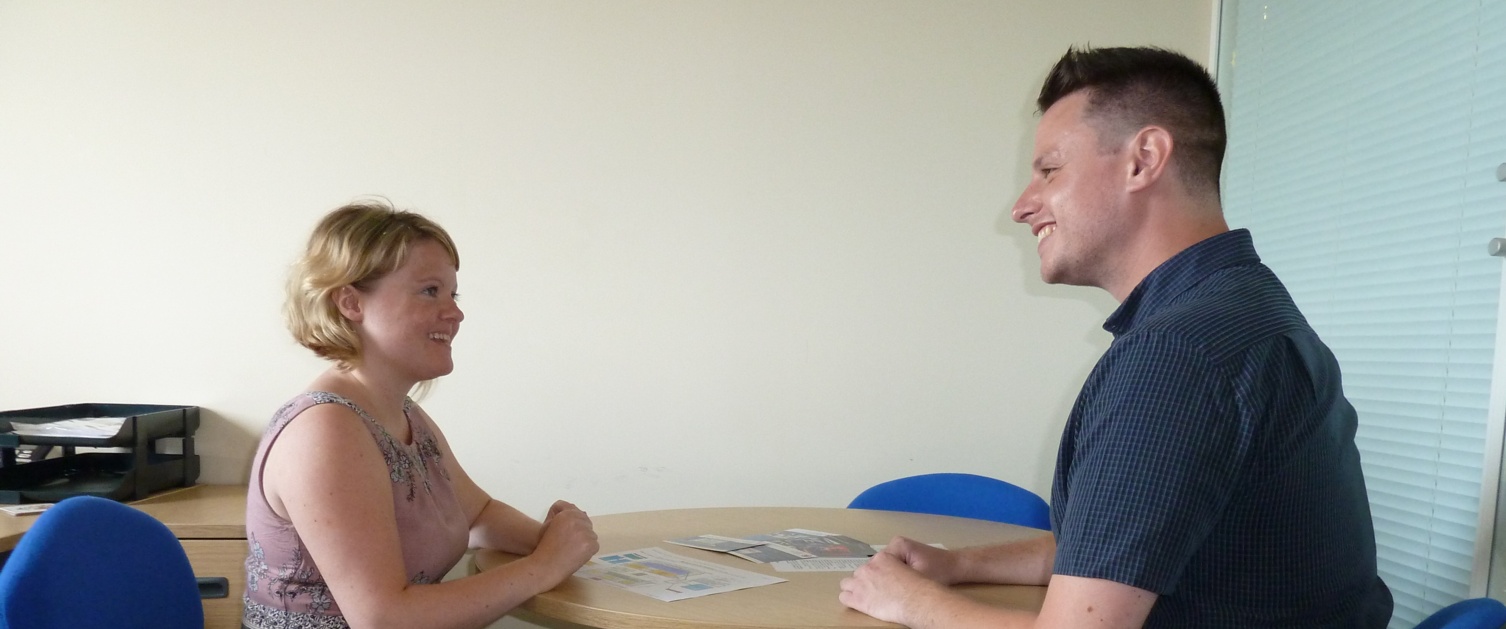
[[1061, 278], [1054, 276]]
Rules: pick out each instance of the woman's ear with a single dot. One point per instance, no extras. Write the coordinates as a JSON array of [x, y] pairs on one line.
[[348, 301]]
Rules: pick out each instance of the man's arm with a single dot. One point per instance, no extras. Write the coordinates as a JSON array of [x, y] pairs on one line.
[[907, 582], [1025, 562], [889, 590]]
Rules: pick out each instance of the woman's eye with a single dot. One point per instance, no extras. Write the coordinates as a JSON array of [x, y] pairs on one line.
[[432, 291], [455, 295]]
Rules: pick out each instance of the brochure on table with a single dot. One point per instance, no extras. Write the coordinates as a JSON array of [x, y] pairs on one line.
[[717, 543], [832, 564], [666, 576], [790, 550], [794, 544]]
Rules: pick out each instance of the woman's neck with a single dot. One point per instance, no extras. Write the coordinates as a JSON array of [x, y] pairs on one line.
[[381, 396]]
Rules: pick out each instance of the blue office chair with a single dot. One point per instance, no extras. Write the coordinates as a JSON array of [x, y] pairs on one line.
[[92, 563], [1470, 613], [961, 495]]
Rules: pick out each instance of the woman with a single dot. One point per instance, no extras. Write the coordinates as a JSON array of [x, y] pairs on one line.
[[357, 506]]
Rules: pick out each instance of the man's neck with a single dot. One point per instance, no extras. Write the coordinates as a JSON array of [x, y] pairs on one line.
[[1167, 231]]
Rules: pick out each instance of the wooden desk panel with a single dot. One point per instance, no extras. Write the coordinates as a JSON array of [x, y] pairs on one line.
[[220, 558], [197, 512], [210, 521]]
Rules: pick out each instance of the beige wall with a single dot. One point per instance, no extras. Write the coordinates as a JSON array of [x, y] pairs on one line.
[[714, 253]]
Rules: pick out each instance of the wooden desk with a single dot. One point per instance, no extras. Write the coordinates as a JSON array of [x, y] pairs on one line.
[[209, 520], [808, 600]]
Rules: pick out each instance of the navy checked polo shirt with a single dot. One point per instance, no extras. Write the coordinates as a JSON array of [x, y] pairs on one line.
[[1210, 457]]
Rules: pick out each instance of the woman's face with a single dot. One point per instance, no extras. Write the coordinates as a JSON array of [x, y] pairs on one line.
[[408, 319]]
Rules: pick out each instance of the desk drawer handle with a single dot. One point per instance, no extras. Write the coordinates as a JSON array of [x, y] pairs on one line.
[[214, 587]]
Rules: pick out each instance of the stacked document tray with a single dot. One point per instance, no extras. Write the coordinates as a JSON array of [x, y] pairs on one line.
[[134, 467]]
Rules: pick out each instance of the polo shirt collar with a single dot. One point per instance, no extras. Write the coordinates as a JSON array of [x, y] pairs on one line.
[[1183, 271]]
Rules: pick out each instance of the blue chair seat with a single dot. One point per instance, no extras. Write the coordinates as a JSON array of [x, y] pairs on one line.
[[960, 495], [92, 563], [1473, 613]]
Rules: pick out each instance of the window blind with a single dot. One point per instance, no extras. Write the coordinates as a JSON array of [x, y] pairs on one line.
[[1364, 138]]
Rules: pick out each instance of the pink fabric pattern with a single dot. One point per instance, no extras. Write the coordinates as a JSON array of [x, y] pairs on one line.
[[284, 588]]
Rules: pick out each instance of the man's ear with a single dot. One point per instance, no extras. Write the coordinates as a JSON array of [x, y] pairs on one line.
[[1149, 157], [348, 301]]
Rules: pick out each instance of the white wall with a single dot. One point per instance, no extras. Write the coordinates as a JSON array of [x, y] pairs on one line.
[[713, 253]]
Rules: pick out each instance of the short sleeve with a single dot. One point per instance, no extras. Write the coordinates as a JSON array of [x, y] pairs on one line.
[[1155, 450]]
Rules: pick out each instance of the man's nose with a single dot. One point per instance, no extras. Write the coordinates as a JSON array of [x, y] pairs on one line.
[[1025, 206]]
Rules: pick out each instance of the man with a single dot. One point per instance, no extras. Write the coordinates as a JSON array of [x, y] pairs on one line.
[[1207, 475]]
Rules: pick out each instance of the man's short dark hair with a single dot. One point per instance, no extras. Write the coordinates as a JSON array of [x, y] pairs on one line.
[[1130, 88]]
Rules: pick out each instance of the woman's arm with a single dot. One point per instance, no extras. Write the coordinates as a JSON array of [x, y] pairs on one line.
[[326, 475]]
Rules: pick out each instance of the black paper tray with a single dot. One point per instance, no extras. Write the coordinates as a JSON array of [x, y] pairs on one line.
[[144, 423]]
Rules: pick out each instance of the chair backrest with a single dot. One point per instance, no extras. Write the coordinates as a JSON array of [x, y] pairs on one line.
[[961, 495], [1471, 613], [89, 563]]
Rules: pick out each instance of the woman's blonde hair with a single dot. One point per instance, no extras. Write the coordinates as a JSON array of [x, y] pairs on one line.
[[355, 245]]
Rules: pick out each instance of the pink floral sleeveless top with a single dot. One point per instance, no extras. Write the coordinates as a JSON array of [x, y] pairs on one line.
[[284, 588]]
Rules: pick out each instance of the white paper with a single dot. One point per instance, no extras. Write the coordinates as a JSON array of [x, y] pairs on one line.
[[666, 576], [26, 509], [96, 427], [878, 548], [718, 543], [770, 552], [830, 564]]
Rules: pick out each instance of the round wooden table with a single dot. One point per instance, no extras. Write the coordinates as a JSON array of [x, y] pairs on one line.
[[807, 600]]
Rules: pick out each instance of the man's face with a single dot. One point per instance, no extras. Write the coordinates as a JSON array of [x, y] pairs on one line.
[[1074, 203]]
